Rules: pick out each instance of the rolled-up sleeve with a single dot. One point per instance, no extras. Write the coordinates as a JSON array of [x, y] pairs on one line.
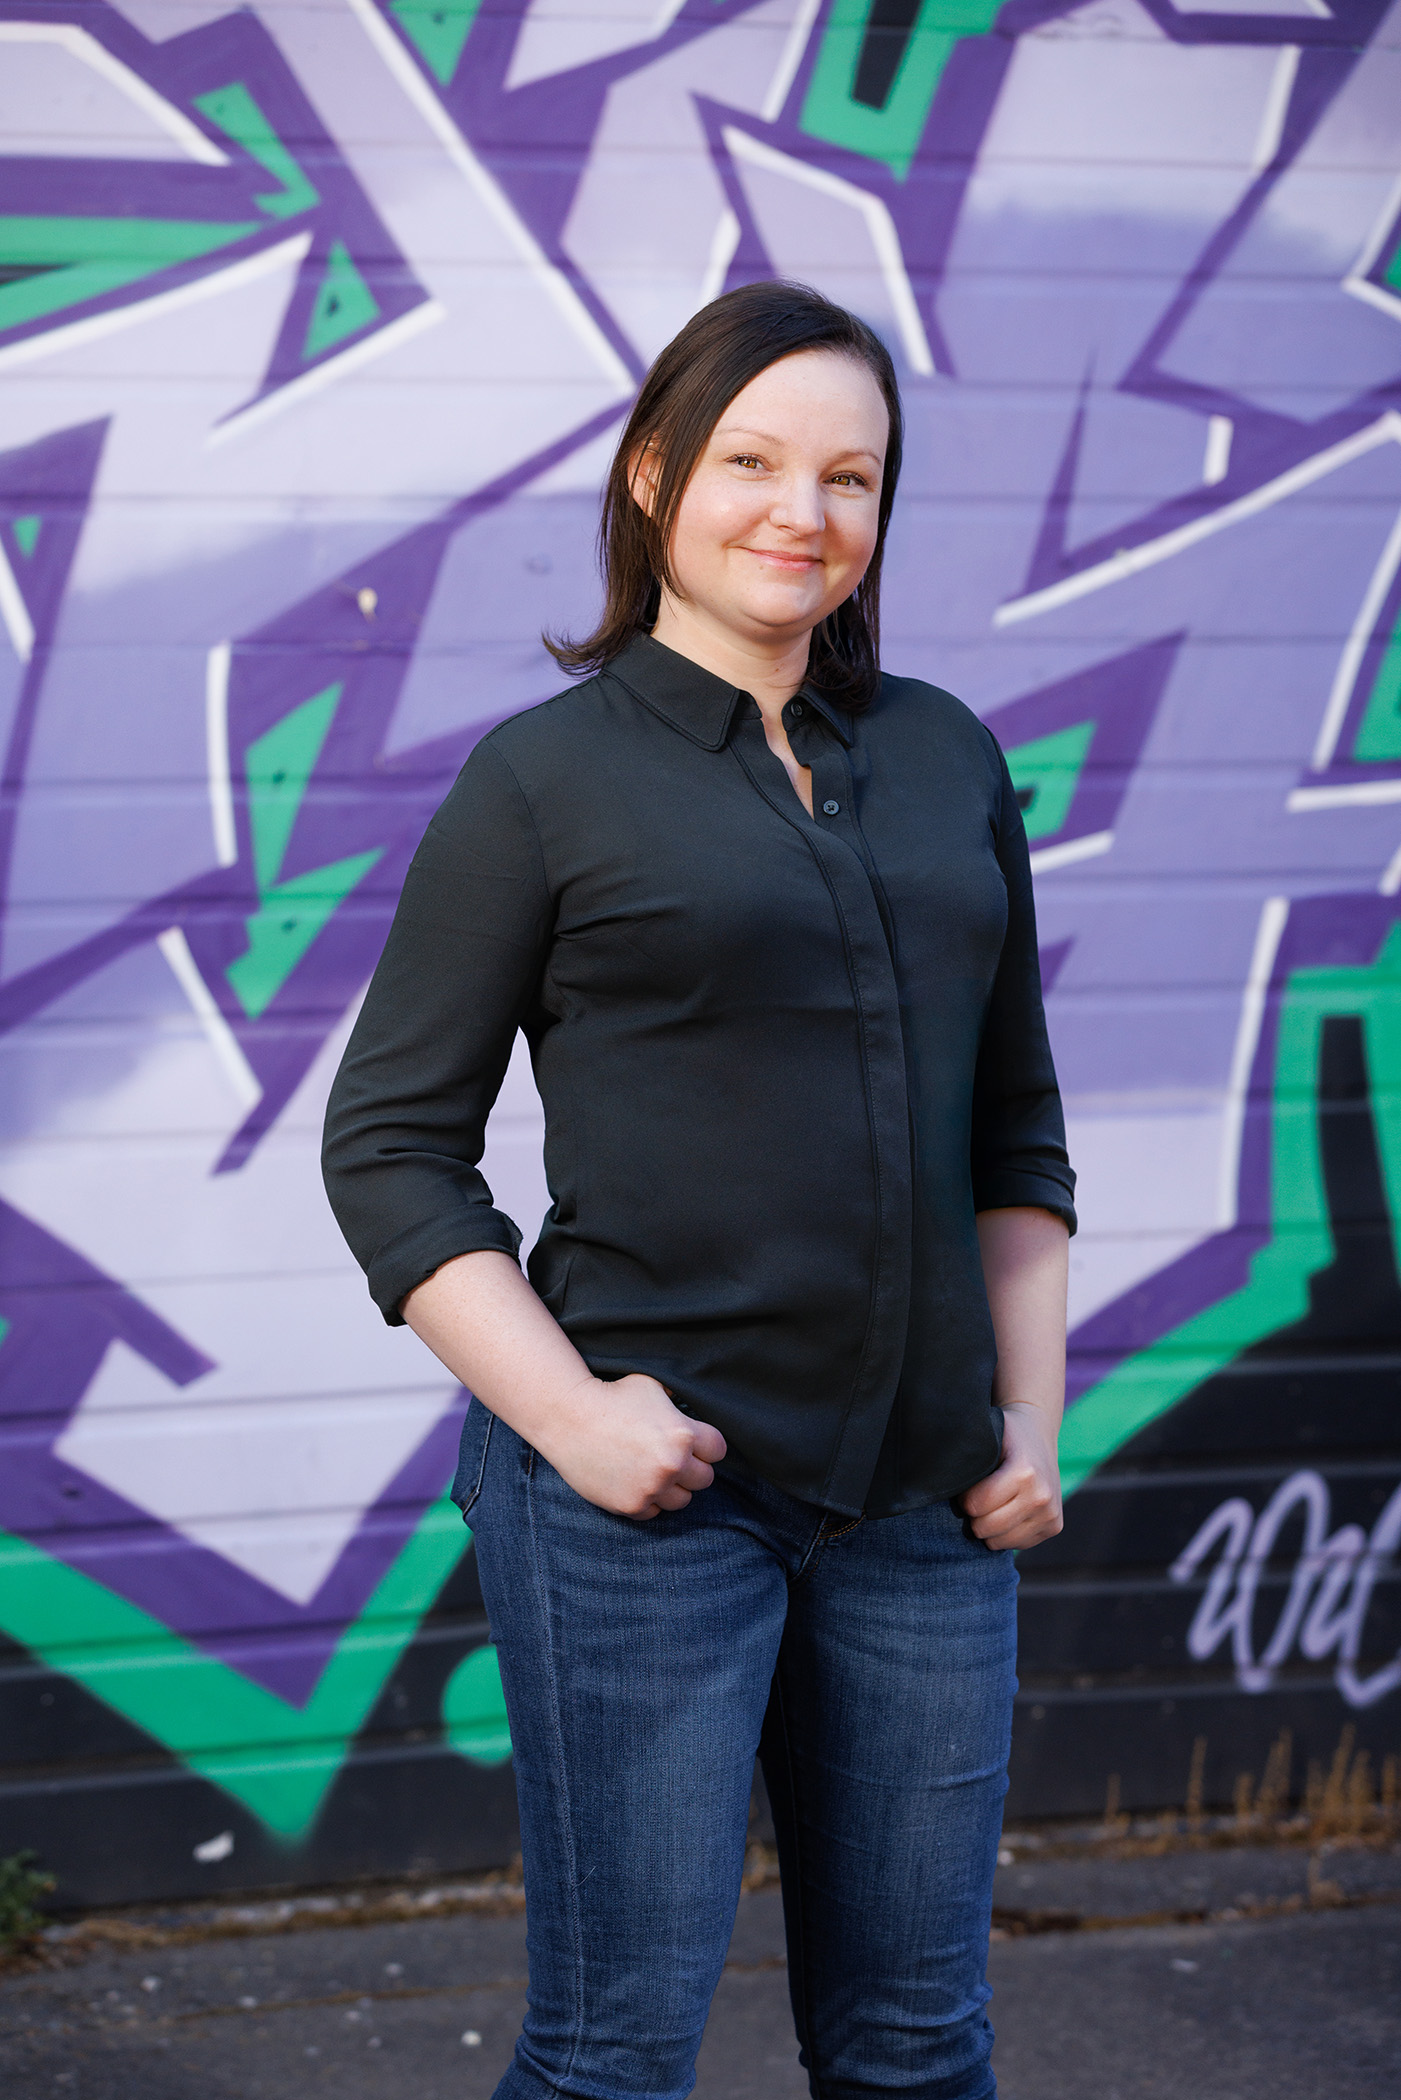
[[406, 1120], [1018, 1135]]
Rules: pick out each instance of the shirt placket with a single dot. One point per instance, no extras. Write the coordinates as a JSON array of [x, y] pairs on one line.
[[834, 840]]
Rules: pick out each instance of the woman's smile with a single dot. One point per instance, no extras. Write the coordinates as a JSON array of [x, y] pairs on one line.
[[780, 560]]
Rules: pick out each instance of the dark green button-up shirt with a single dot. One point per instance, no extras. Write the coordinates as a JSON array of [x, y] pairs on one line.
[[784, 1060]]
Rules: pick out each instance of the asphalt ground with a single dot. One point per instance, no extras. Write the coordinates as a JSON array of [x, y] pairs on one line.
[[1249, 1974]]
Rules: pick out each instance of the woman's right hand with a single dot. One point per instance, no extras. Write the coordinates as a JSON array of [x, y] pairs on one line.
[[623, 1445], [618, 1442]]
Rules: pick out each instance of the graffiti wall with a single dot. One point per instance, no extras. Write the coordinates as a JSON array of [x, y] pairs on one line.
[[317, 321]]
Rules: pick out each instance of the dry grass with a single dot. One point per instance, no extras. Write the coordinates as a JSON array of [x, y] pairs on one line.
[[1344, 1801]]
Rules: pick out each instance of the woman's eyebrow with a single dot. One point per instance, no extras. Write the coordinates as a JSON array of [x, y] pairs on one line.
[[730, 431]]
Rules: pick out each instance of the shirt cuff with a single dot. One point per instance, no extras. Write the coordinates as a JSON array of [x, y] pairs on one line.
[[1009, 1188], [412, 1256]]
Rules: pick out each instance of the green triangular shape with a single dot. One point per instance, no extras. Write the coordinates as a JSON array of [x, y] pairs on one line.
[[1379, 731], [235, 112], [286, 924], [437, 29], [1392, 273], [277, 1759], [26, 532], [277, 767], [1046, 773], [344, 304], [80, 259]]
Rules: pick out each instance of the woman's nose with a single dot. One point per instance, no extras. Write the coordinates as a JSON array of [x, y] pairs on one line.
[[798, 505]]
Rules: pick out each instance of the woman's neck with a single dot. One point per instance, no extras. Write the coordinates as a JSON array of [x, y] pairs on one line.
[[771, 672]]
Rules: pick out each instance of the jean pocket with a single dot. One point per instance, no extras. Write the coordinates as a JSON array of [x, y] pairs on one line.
[[471, 1457]]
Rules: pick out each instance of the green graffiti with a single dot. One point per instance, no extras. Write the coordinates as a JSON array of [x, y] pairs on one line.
[[437, 29], [67, 261], [474, 1710], [285, 925], [1379, 732], [1301, 1243], [1392, 273], [344, 304], [1047, 772], [276, 1759], [238, 116], [26, 532], [892, 131], [279, 766]]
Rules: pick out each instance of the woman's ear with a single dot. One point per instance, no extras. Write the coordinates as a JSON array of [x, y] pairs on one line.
[[644, 472]]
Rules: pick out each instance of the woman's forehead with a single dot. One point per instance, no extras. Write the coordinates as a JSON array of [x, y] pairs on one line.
[[782, 401]]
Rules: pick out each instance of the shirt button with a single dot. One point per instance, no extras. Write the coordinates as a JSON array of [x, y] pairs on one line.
[[797, 707], [831, 809]]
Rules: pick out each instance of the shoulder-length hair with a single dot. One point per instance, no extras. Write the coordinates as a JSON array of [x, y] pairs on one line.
[[683, 397]]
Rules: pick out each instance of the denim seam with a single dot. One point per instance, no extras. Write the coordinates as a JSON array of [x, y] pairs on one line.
[[476, 1495], [799, 1904], [810, 1555], [561, 1776]]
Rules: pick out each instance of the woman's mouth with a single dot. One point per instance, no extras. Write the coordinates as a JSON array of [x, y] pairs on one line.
[[796, 563]]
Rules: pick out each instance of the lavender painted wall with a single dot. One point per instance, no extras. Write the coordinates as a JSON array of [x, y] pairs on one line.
[[317, 319]]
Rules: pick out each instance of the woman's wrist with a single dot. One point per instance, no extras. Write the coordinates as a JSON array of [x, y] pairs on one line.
[[1044, 1412], [549, 1413]]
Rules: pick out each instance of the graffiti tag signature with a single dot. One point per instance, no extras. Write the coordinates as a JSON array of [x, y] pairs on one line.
[[1330, 1592]]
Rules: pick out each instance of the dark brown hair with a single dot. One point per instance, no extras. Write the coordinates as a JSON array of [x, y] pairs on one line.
[[683, 397]]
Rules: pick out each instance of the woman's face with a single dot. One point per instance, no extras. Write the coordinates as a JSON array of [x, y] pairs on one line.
[[778, 522]]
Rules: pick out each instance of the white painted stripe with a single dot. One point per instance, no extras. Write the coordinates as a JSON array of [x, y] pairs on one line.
[[222, 1040], [1276, 108], [285, 254], [790, 59], [879, 224], [1354, 649], [89, 52], [723, 243], [555, 283], [1391, 875], [1374, 295], [1131, 561], [1358, 794], [296, 390], [216, 740], [1219, 432], [15, 613], [1090, 847], [1274, 916]]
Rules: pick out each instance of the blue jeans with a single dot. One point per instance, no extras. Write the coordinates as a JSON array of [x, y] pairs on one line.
[[869, 1663]]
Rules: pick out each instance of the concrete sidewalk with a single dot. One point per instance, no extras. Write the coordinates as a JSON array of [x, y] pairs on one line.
[[1284, 1984]]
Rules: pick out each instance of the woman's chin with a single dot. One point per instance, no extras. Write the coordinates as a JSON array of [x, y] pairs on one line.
[[781, 610]]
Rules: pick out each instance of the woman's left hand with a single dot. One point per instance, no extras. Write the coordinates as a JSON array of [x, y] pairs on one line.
[[1019, 1504]]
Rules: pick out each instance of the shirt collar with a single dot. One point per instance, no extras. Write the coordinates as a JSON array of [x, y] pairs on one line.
[[694, 700]]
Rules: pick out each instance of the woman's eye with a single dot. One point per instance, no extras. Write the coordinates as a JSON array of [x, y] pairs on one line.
[[850, 480], [745, 459]]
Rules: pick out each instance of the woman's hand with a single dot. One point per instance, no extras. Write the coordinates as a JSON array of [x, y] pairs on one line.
[[1019, 1504], [621, 1444]]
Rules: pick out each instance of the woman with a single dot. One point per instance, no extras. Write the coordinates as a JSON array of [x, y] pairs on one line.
[[791, 1356]]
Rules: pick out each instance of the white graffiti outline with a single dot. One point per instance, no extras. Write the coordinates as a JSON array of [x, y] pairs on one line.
[[1330, 1591]]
